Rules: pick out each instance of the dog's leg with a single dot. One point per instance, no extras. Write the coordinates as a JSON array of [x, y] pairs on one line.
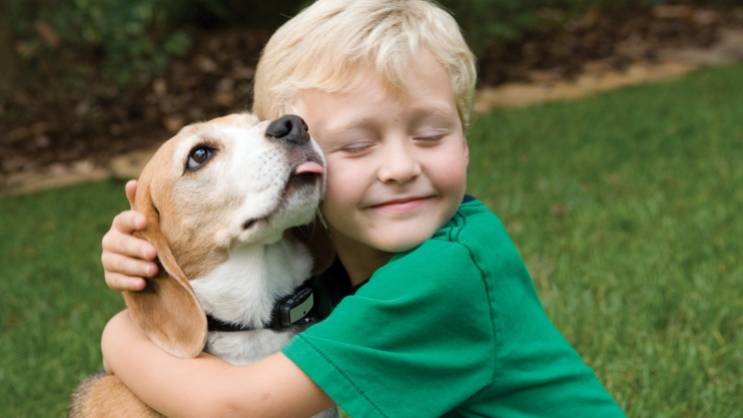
[[104, 395]]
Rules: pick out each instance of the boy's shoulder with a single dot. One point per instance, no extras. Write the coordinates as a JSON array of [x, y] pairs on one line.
[[478, 229], [474, 243], [472, 216], [472, 253]]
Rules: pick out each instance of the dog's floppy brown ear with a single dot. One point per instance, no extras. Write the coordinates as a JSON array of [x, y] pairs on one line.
[[316, 238], [167, 309]]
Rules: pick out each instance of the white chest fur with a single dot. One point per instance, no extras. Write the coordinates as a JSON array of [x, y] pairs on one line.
[[243, 290]]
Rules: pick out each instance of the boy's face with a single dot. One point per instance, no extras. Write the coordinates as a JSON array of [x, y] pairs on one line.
[[396, 167]]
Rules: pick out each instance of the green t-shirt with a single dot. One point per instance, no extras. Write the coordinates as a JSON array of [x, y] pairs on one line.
[[451, 328]]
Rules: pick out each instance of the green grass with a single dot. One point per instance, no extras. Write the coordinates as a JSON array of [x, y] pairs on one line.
[[53, 300], [626, 208]]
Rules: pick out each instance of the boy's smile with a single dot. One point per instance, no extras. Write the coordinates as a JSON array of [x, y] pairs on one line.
[[396, 163]]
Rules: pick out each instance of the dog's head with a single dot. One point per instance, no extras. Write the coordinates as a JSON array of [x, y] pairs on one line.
[[216, 185]]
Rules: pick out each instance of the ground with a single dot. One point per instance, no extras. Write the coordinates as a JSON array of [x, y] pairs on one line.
[[54, 135]]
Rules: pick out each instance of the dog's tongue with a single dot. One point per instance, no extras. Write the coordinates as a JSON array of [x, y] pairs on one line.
[[309, 167]]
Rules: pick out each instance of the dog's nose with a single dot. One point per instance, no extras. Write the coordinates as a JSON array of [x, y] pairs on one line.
[[289, 128]]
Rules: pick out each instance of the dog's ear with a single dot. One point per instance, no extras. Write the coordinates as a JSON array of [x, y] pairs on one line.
[[167, 309], [316, 238]]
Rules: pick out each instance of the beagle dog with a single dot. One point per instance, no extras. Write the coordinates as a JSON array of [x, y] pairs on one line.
[[223, 200]]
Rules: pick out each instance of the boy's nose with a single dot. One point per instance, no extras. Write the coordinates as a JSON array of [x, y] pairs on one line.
[[289, 128], [399, 166]]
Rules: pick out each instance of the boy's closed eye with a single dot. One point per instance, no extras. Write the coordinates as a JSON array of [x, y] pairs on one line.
[[361, 146], [432, 127], [357, 147], [351, 141], [430, 137]]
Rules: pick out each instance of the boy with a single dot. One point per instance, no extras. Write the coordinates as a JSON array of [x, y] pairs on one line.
[[447, 321]]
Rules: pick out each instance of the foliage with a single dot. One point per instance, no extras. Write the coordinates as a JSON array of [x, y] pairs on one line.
[[625, 207], [130, 38], [494, 23], [246, 14], [488, 23], [136, 38]]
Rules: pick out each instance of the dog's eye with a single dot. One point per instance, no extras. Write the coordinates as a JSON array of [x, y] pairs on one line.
[[198, 156]]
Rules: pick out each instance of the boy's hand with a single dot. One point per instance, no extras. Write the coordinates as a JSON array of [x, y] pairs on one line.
[[127, 260]]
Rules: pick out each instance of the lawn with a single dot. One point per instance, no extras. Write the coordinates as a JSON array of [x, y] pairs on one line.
[[625, 207]]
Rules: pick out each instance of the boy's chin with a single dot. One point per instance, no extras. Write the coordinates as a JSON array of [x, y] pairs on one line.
[[403, 239]]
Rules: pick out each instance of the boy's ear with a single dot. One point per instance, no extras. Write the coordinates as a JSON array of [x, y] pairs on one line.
[[315, 237], [167, 309], [467, 151]]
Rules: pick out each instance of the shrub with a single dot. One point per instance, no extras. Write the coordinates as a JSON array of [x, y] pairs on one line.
[[491, 22], [129, 38]]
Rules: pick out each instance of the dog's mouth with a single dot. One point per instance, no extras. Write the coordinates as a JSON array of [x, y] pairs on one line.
[[307, 173]]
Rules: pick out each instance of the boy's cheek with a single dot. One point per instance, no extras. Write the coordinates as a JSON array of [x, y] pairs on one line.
[[344, 181]]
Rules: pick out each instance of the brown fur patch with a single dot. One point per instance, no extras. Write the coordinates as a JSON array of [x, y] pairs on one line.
[[104, 395]]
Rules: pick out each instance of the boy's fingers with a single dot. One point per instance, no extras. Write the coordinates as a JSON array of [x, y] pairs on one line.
[[121, 282], [115, 263], [131, 190], [127, 245], [129, 221]]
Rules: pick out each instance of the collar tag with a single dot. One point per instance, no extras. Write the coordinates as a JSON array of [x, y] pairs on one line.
[[294, 309], [301, 310]]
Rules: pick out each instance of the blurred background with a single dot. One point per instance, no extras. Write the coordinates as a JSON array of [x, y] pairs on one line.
[[84, 80], [625, 204]]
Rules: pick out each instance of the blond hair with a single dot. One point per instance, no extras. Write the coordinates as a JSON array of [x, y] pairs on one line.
[[325, 46]]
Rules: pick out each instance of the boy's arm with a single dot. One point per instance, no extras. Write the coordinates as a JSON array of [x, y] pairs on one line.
[[206, 385]]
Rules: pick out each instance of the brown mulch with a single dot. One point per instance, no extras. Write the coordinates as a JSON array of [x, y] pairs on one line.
[[620, 38], [42, 125]]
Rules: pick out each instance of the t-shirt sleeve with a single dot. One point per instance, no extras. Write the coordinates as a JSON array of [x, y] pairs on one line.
[[416, 340]]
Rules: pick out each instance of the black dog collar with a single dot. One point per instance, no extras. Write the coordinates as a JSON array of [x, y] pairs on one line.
[[294, 310]]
